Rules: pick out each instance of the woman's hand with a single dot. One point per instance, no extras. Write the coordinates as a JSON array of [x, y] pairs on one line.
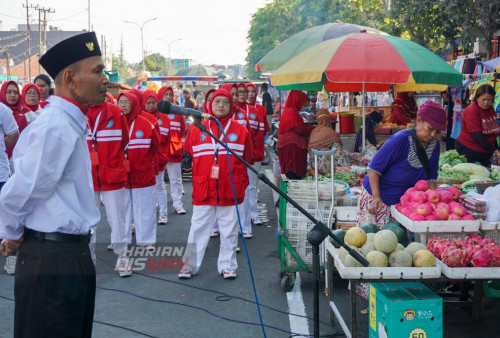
[[376, 204]]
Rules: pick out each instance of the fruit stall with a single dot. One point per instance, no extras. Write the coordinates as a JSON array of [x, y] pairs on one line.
[[442, 235]]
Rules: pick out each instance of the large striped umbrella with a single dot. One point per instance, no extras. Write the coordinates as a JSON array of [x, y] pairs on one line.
[[365, 62], [301, 41]]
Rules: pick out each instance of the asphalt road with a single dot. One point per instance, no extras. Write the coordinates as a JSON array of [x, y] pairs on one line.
[[160, 305]]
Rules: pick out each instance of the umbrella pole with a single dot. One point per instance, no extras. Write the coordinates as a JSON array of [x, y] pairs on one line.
[[363, 112]]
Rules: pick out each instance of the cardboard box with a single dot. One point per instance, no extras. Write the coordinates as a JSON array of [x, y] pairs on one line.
[[404, 310]]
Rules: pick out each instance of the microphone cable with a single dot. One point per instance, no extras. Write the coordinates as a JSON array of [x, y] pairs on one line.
[[241, 231]]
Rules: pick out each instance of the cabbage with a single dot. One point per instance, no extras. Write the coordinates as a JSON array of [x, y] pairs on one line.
[[472, 169]]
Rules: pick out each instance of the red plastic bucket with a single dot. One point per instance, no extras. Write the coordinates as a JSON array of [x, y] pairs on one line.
[[346, 123]]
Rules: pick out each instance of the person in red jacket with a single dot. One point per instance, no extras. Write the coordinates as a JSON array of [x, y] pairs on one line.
[[253, 117], [106, 139], [212, 190], [11, 97], [149, 104], [176, 128], [140, 201], [258, 149]]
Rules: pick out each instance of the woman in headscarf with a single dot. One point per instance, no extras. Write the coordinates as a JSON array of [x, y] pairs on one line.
[[212, 188], [31, 99], [10, 96], [403, 109], [44, 83], [176, 128], [323, 137], [371, 123], [292, 137], [140, 201], [208, 97]]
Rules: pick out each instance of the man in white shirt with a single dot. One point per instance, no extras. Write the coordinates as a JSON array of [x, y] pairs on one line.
[[49, 201], [8, 127]]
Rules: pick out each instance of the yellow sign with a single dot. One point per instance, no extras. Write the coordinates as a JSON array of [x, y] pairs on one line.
[[373, 308], [418, 333]]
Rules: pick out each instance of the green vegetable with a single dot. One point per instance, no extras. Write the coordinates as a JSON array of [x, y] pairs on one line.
[[451, 157], [472, 169], [495, 175], [454, 174]]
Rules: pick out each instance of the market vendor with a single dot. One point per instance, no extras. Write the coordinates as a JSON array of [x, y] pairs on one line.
[[323, 138], [403, 108], [292, 137], [372, 121], [406, 157], [477, 139]]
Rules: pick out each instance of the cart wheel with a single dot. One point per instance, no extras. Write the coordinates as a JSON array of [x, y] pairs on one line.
[[287, 282]]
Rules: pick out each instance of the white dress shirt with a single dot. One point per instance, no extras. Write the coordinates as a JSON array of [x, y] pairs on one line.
[[51, 189]]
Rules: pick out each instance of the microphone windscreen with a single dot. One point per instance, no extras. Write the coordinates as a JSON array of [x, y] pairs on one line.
[[163, 106]]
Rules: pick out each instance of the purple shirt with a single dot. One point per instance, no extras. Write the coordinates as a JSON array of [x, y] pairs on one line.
[[399, 168]]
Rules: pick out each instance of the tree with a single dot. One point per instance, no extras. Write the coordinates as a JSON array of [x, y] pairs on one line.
[[156, 63]]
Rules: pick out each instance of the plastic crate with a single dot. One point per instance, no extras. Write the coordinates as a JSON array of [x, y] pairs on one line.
[[296, 220], [298, 240], [306, 190]]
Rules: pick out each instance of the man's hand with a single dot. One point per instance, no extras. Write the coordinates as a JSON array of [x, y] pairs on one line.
[[9, 247]]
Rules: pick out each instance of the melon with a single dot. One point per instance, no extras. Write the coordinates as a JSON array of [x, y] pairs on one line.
[[351, 262], [369, 228], [400, 258], [355, 236], [369, 237], [424, 258], [414, 247], [385, 241], [340, 234], [377, 258], [369, 246], [343, 252], [400, 247]]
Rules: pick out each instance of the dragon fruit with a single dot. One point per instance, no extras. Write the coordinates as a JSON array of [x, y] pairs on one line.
[[469, 252], [432, 242], [453, 257], [436, 245], [481, 258], [473, 239], [486, 241], [494, 250]]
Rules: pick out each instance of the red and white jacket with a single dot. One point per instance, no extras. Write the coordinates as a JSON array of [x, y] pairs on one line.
[[140, 152], [163, 150], [152, 119], [254, 120], [107, 136], [176, 128], [207, 153]]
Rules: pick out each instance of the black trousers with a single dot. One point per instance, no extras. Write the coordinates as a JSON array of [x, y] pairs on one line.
[[54, 290], [473, 156]]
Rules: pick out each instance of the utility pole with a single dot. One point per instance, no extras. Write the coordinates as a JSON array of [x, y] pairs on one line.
[[39, 38], [28, 6], [45, 11], [88, 10], [42, 48]]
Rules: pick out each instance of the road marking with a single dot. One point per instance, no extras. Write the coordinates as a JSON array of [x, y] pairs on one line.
[[295, 300], [296, 306]]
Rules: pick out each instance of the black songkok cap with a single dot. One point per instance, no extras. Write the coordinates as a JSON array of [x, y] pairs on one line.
[[69, 51]]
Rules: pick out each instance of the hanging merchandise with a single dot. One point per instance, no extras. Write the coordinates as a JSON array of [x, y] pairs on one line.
[[457, 119]]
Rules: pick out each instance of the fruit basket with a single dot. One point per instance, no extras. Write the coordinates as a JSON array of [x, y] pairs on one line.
[[469, 272], [437, 227], [379, 272]]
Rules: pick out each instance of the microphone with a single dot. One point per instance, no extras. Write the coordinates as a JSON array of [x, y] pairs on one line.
[[165, 107]]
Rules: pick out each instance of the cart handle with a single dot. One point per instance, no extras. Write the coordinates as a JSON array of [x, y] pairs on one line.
[[324, 153]]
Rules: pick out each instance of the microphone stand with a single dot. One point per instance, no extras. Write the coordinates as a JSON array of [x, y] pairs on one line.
[[316, 236]]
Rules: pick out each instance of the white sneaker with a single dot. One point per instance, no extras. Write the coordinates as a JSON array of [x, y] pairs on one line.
[[10, 265], [110, 246], [238, 249], [150, 247], [180, 211], [214, 234], [185, 273], [228, 273], [247, 235], [162, 220], [124, 268], [257, 221]]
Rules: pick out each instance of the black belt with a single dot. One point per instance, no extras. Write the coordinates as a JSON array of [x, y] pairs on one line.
[[57, 237]]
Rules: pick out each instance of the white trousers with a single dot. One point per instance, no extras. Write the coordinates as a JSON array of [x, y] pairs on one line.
[[246, 224], [115, 214], [141, 211], [254, 190], [161, 194], [199, 235], [175, 179]]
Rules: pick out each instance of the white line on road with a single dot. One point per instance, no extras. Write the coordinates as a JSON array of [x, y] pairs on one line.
[[296, 306]]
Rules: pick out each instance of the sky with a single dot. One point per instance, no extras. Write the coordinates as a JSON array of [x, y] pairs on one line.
[[210, 31]]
